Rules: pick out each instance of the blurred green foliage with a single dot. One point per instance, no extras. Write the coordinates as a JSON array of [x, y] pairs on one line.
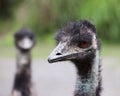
[[45, 17], [7, 7]]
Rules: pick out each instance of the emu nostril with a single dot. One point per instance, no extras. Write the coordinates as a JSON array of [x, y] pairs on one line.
[[58, 54]]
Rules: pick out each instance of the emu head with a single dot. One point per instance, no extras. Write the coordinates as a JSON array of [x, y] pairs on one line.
[[24, 39], [77, 40]]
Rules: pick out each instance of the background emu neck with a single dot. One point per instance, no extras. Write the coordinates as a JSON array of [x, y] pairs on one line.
[[87, 75], [23, 59], [22, 83]]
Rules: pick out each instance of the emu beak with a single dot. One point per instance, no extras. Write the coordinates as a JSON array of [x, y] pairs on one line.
[[62, 53], [26, 43], [57, 54]]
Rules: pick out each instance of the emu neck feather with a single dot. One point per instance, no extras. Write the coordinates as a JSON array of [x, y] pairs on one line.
[[23, 59], [87, 80]]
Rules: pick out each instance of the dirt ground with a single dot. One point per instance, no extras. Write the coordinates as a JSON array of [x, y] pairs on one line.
[[58, 79]]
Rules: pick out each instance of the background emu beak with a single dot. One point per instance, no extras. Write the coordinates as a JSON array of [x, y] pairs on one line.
[[26, 43]]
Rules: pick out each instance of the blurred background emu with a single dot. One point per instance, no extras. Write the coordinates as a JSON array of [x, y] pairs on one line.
[[44, 18]]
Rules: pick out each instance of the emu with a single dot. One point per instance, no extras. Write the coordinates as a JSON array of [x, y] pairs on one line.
[[79, 43], [24, 42]]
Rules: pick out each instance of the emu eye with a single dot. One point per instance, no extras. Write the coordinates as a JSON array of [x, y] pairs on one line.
[[18, 38], [84, 44], [31, 37]]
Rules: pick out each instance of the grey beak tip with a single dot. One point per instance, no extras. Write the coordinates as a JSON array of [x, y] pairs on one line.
[[49, 60]]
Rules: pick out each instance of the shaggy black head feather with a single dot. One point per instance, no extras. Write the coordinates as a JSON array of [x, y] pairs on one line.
[[24, 32], [76, 28]]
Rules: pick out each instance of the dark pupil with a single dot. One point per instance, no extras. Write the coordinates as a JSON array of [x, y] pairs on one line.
[[31, 37], [84, 44], [19, 37]]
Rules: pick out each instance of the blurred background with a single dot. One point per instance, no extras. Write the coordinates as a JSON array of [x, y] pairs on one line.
[[45, 17]]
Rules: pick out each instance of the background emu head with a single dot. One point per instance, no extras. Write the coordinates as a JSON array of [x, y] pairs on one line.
[[77, 40], [24, 39]]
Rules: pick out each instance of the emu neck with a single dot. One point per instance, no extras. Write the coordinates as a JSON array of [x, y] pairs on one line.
[[22, 83], [87, 75], [23, 60]]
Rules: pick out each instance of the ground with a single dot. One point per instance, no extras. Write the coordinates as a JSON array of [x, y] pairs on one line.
[[58, 79]]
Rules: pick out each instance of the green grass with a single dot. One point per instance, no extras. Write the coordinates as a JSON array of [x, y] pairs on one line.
[[40, 51], [44, 49], [111, 51]]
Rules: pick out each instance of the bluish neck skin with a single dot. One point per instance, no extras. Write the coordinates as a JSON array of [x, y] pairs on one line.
[[87, 76]]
